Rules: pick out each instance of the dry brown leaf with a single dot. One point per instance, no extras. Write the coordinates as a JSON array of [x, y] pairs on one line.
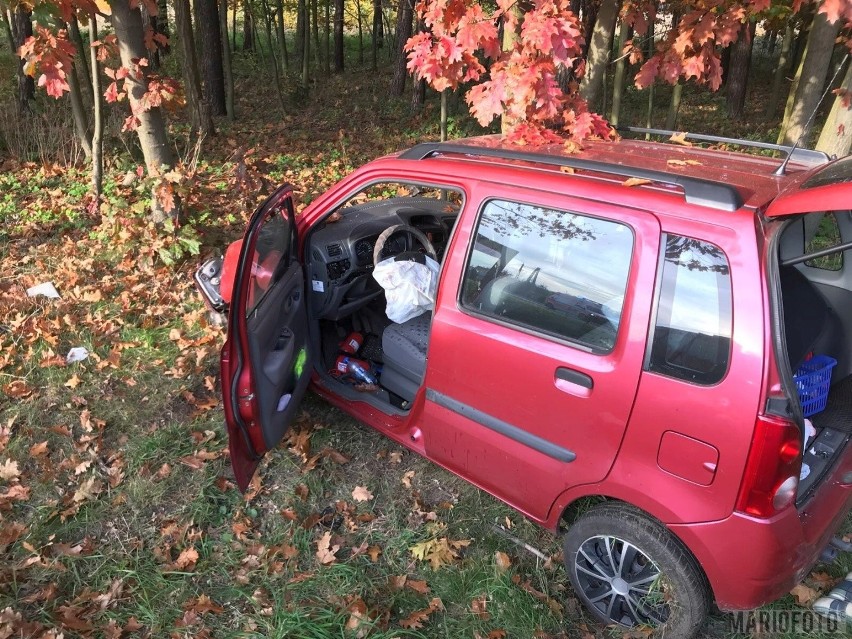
[[397, 582], [498, 633], [479, 608], [680, 138], [203, 604], [359, 622], [373, 553], [567, 169], [74, 382], [635, 181], [676, 162], [395, 457], [325, 550], [502, 560], [89, 489], [406, 478], [9, 470], [37, 450], [360, 493], [805, 595], [418, 586], [187, 559], [18, 389]]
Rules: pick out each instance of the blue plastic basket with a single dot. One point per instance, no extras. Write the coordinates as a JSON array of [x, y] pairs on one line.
[[812, 381]]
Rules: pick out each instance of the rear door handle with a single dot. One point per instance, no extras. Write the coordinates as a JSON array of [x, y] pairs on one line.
[[573, 382]]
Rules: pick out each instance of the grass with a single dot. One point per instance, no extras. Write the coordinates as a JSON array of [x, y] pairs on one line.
[[130, 519]]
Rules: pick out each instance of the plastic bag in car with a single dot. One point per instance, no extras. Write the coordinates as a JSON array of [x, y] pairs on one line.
[[409, 287]]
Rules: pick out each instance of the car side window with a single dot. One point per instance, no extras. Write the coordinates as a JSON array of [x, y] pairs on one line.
[[554, 272], [691, 337], [271, 255], [826, 236]]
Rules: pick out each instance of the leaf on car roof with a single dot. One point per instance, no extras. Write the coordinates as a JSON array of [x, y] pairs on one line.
[[680, 138], [635, 181]]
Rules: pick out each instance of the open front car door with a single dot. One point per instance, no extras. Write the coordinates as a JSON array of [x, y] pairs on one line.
[[265, 363]]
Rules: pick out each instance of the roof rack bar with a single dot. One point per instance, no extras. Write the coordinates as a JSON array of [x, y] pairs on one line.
[[716, 195], [796, 154]]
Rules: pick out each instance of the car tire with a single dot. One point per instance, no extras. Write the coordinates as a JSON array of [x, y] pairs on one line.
[[628, 570]]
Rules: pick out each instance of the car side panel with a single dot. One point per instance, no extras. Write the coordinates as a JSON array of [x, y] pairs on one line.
[[496, 414]]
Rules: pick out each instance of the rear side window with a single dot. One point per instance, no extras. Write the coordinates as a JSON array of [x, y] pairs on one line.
[[826, 236], [550, 271], [692, 331]]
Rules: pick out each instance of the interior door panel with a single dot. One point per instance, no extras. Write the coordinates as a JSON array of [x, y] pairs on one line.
[[277, 331]]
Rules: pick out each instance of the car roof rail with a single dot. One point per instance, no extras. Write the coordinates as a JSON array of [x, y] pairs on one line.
[[809, 157], [716, 195]]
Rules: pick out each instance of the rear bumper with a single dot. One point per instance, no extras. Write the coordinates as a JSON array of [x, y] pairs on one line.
[[750, 562]]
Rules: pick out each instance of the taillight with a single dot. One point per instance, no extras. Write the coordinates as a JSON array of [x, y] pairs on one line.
[[771, 477]]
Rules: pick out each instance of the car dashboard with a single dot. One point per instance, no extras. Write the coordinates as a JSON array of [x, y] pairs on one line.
[[340, 252]]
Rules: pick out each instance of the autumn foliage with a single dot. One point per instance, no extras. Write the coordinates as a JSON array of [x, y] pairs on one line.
[[532, 84]]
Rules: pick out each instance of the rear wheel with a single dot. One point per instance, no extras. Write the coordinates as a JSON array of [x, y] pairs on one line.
[[630, 571]]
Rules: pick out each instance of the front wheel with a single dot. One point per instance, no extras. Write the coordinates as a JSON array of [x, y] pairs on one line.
[[630, 571]]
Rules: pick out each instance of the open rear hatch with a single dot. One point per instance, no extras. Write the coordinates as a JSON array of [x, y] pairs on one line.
[[812, 300]]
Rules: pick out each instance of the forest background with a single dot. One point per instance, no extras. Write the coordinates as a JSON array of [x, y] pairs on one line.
[[138, 136]]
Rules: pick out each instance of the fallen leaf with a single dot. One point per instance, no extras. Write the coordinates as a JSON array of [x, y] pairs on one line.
[[9, 470], [418, 586], [499, 633], [37, 450], [89, 489], [74, 382], [395, 457], [18, 389], [325, 550], [406, 478], [373, 553], [479, 608], [805, 595], [635, 181], [187, 559], [360, 493], [502, 560], [680, 138]]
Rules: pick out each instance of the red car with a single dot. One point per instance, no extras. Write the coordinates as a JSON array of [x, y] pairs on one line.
[[674, 428]]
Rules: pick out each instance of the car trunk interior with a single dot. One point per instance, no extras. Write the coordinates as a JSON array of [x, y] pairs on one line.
[[816, 295]]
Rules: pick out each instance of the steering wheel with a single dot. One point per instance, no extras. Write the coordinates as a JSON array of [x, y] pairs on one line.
[[410, 255]]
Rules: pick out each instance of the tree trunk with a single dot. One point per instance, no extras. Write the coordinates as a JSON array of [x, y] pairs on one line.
[[282, 34], [378, 30], [404, 15], [338, 35], [201, 121], [234, 26], [163, 24], [737, 87], [649, 117], [248, 27], [618, 81], [418, 97], [360, 33], [773, 40], [24, 29], [315, 32], [98, 131], [227, 69], [80, 61], [306, 46], [300, 29], [7, 27], [327, 37], [444, 115], [807, 89], [127, 24], [599, 50], [778, 76], [151, 21], [212, 67], [588, 16], [836, 136], [674, 107], [273, 59], [75, 95]]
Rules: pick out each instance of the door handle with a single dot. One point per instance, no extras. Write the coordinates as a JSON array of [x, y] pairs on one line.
[[573, 382]]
